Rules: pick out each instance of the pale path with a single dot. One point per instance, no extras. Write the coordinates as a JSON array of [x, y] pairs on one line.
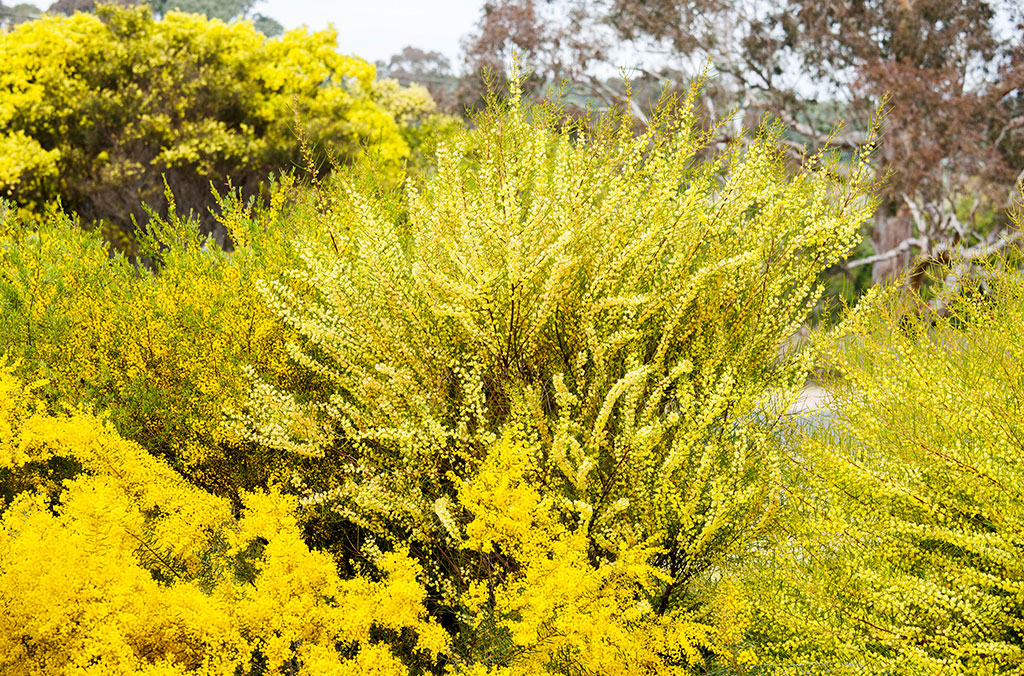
[[811, 398]]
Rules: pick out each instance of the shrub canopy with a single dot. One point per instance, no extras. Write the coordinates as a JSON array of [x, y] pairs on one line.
[[99, 110], [549, 372], [128, 569], [610, 303]]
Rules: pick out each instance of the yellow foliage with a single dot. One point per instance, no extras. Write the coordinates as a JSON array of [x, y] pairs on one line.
[[25, 159], [162, 353], [609, 301], [130, 570], [120, 99], [554, 610], [533, 398]]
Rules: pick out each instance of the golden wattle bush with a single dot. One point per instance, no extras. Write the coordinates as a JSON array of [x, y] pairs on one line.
[[903, 550], [101, 111], [159, 353], [555, 376], [128, 569], [516, 419]]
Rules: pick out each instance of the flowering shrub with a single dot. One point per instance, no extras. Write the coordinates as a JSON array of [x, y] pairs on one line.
[[612, 305], [555, 610], [98, 110], [127, 569], [903, 551], [161, 354], [520, 417]]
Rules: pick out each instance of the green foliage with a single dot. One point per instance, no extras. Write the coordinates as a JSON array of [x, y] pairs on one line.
[[842, 288], [225, 10], [19, 13], [608, 300], [550, 369], [903, 549], [100, 110]]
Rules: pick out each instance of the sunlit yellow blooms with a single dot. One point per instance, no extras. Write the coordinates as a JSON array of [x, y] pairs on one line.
[[519, 417], [99, 109], [556, 610], [131, 570], [25, 160], [614, 306], [162, 353]]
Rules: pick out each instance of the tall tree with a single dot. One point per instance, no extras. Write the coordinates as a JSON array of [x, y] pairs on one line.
[[561, 41], [431, 69], [12, 16]]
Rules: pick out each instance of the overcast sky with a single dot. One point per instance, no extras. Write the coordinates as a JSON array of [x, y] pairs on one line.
[[376, 29]]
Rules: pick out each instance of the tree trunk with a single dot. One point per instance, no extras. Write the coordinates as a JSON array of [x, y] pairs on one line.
[[893, 226]]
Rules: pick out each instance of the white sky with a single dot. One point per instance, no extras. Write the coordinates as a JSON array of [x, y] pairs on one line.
[[375, 29]]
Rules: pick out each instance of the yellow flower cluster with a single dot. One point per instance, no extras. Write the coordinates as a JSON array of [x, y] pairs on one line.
[[557, 612], [100, 109], [129, 569], [525, 416], [25, 159], [163, 354]]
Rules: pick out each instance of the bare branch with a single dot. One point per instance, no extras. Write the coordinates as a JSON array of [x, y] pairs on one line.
[[899, 249], [848, 139], [915, 213], [941, 250], [634, 108], [1017, 189], [1013, 123], [979, 250]]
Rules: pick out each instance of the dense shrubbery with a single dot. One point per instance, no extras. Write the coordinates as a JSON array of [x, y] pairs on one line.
[[903, 550], [605, 301], [100, 110], [160, 354], [550, 371], [525, 414], [128, 569]]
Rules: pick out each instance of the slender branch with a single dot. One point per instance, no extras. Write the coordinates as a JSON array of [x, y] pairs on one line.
[[979, 250], [915, 212], [941, 249], [1018, 188], [634, 108], [848, 139], [899, 249], [1012, 124]]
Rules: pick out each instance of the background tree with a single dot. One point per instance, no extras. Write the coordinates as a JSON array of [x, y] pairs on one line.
[[225, 10], [12, 16], [132, 102], [562, 42], [69, 7], [430, 69]]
